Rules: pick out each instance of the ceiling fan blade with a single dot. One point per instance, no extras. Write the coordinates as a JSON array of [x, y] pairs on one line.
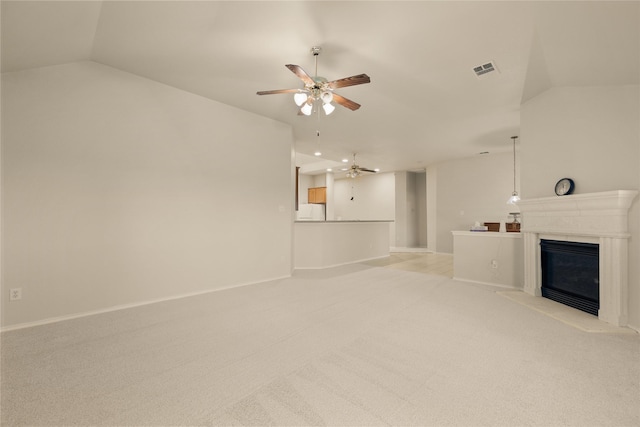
[[349, 81], [353, 106], [367, 170], [271, 92], [302, 74]]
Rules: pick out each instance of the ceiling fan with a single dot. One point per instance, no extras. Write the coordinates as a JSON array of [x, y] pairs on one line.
[[319, 89], [355, 171]]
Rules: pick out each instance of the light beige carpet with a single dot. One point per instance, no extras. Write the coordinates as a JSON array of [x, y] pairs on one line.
[[355, 345]]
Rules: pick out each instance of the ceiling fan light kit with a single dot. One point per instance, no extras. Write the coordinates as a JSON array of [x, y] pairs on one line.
[[307, 108], [328, 108], [300, 98], [355, 171], [319, 90]]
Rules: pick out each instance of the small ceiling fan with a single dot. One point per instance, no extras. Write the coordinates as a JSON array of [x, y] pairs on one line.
[[319, 89], [355, 171]]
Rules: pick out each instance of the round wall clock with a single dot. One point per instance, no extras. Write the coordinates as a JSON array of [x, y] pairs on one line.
[[565, 186]]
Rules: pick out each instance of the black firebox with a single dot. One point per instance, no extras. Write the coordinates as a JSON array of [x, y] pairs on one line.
[[571, 274]]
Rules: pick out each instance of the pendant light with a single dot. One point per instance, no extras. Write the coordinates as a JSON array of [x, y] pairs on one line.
[[514, 196]]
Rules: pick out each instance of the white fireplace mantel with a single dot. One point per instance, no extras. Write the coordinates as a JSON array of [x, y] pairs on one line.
[[593, 217]]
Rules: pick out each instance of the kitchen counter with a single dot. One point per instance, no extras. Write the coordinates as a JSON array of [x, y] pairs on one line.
[[346, 220], [495, 258], [322, 244]]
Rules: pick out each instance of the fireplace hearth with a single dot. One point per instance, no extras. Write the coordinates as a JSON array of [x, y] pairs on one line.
[[570, 274]]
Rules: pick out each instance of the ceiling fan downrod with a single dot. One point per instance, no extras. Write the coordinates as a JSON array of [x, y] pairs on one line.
[[315, 51]]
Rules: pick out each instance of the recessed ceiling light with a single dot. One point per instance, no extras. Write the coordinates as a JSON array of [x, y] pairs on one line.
[[345, 160], [377, 169], [329, 170], [317, 153]]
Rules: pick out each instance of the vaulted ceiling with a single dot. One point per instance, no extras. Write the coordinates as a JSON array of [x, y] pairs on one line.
[[424, 103]]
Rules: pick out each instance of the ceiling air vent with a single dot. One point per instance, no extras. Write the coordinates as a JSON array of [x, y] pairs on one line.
[[483, 69]]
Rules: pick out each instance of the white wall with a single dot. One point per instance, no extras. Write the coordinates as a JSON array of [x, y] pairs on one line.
[[421, 207], [410, 190], [432, 211], [119, 190], [320, 180], [373, 197], [593, 136], [304, 183], [402, 207], [470, 190], [412, 211], [329, 206]]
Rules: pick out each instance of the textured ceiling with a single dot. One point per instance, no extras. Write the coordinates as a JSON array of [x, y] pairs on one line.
[[423, 105]]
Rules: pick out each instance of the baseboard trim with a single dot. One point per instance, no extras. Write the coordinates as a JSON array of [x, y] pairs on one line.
[[498, 285], [404, 249], [57, 319], [341, 264]]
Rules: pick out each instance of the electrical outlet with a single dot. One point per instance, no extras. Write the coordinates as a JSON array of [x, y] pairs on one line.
[[15, 294], [494, 263]]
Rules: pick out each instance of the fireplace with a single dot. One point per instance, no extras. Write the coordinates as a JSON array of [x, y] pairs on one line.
[[570, 274], [593, 218]]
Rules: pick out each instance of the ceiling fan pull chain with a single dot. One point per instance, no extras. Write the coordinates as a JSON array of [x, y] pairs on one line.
[[318, 152]]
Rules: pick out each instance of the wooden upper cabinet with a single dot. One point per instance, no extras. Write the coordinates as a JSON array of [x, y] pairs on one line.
[[317, 195]]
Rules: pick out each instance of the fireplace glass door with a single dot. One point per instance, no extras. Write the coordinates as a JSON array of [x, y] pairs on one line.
[[571, 274]]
